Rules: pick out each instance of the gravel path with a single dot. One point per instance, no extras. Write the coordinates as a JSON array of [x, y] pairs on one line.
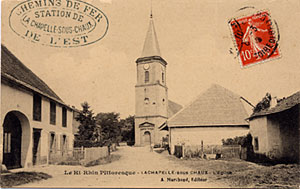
[[147, 169]]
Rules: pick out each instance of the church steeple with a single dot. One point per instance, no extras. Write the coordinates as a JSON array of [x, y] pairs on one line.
[[151, 91], [151, 47]]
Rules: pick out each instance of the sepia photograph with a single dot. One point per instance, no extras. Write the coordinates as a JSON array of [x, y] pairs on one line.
[[150, 94]]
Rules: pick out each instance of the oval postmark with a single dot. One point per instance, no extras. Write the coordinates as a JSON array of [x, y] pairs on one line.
[[58, 23]]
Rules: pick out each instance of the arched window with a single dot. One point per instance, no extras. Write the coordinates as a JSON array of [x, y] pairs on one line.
[[146, 100], [163, 77], [146, 76]]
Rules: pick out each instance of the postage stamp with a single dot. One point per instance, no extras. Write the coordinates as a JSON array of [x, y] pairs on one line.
[[255, 38], [58, 23]]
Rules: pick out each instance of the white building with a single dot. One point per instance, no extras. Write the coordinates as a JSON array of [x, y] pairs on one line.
[[276, 130], [36, 124], [214, 115]]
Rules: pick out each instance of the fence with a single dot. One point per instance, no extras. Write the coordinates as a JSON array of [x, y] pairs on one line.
[[94, 153], [81, 154], [57, 156], [225, 151], [78, 153]]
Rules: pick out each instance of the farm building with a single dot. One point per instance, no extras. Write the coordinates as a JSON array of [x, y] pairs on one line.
[[214, 115], [275, 131], [36, 123]]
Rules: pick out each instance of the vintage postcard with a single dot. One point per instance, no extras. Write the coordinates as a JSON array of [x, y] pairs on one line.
[[150, 94]]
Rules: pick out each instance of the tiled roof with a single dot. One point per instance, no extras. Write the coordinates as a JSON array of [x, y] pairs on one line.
[[14, 70], [215, 107], [173, 108], [284, 104]]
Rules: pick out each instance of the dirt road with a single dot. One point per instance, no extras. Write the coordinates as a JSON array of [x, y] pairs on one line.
[[137, 167]]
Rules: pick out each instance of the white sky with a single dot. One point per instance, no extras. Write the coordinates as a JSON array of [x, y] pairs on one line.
[[194, 39]]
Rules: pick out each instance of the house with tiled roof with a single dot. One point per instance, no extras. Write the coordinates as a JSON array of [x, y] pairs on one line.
[[36, 123], [276, 130], [214, 115]]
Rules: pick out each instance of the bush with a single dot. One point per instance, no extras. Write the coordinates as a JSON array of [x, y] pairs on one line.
[[130, 143], [244, 141], [192, 153]]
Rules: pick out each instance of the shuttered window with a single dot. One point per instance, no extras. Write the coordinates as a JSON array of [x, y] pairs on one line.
[[64, 117], [37, 107], [52, 142], [52, 113], [63, 144]]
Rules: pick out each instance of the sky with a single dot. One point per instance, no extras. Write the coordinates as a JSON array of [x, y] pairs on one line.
[[194, 39]]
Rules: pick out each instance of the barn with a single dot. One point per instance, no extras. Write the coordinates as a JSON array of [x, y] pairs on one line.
[[214, 115]]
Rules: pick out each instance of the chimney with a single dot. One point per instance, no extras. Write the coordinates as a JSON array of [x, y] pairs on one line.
[[273, 102]]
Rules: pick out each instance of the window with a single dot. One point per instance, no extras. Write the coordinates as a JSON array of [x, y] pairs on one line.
[[256, 147], [52, 113], [146, 76], [163, 77], [52, 142], [64, 117], [63, 144], [146, 100], [64, 140], [7, 140], [37, 107]]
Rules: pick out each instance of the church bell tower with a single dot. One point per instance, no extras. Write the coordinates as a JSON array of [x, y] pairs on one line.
[[151, 92]]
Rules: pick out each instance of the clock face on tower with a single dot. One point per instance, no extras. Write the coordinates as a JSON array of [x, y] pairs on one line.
[[146, 66]]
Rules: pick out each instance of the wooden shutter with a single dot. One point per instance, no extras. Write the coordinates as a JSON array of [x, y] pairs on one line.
[[61, 144], [67, 143], [49, 142], [55, 143]]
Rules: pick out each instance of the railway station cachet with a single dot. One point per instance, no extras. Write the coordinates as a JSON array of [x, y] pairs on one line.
[[255, 38], [58, 23]]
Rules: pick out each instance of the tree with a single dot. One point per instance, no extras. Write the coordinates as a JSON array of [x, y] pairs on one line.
[[88, 130], [263, 104], [109, 127], [127, 129]]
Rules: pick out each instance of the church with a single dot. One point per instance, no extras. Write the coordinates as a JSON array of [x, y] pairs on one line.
[[217, 114], [152, 106]]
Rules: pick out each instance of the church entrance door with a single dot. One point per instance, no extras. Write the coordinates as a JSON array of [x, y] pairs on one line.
[[146, 138]]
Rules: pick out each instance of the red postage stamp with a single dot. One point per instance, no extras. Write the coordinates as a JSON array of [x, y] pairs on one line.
[[255, 38]]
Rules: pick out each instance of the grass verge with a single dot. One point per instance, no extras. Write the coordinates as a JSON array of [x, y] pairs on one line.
[[15, 179], [240, 173]]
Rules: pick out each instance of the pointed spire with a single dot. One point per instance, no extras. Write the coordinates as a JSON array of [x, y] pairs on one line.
[[151, 47], [151, 10]]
